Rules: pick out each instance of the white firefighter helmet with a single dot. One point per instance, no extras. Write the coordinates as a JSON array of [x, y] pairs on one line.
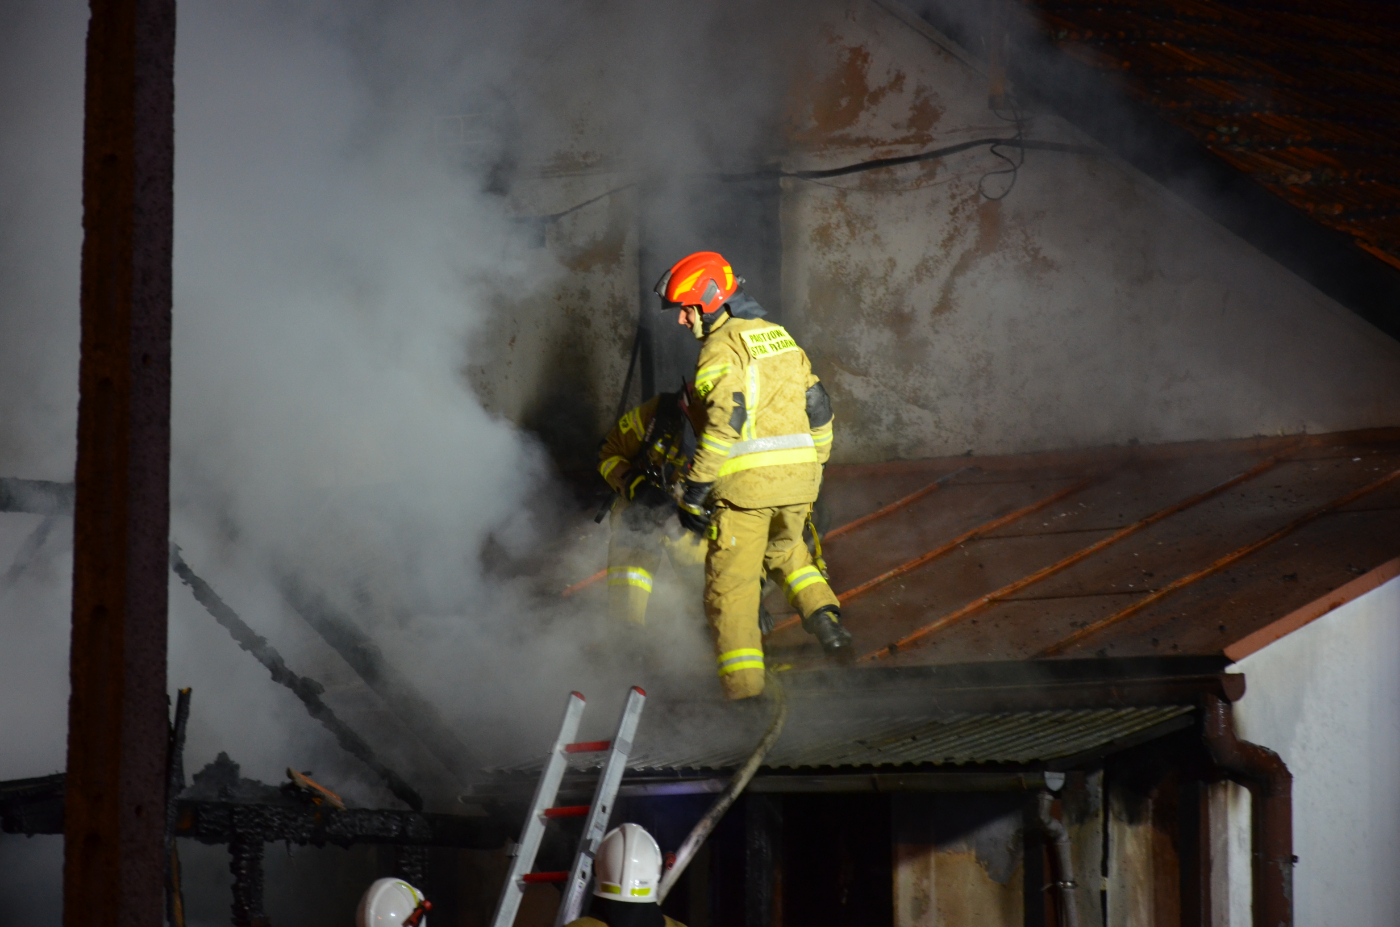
[[628, 865], [389, 903]]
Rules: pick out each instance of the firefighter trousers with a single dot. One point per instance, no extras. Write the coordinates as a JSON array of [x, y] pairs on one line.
[[633, 558], [745, 544]]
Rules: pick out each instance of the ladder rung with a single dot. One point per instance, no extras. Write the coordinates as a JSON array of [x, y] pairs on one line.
[[531, 877], [567, 811], [588, 746]]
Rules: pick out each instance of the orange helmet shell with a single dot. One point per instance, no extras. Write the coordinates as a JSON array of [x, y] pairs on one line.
[[702, 279]]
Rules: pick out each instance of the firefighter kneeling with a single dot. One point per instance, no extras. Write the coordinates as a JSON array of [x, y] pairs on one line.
[[646, 454], [765, 433]]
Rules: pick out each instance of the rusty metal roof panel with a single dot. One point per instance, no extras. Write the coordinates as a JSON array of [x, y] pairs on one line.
[[1150, 551], [1167, 551], [1254, 82]]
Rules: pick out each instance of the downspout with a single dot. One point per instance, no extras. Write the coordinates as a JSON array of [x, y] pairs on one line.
[[1064, 865], [1270, 785]]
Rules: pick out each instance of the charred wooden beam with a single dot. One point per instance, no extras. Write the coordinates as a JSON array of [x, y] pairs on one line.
[[304, 688], [32, 806], [365, 657], [174, 785], [28, 550], [35, 806], [245, 862], [216, 822], [411, 863], [37, 497], [114, 860]]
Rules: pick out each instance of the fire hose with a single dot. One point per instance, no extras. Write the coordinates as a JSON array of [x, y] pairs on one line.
[[731, 792]]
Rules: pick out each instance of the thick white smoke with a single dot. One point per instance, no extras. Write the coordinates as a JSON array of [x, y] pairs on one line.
[[336, 268]]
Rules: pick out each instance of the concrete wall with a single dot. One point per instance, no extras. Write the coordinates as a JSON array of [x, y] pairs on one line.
[[1327, 699], [1089, 306]]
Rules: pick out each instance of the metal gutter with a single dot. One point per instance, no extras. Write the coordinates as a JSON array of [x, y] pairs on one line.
[[1058, 838], [1022, 685], [871, 782]]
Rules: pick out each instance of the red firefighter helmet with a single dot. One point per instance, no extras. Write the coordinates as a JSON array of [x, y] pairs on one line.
[[702, 279]]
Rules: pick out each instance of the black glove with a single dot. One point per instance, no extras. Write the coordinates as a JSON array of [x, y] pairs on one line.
[[650, 506], [642, 491], [693, 514]]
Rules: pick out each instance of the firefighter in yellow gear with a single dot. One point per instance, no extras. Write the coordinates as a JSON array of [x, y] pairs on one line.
[[765, 436], [644, 459]]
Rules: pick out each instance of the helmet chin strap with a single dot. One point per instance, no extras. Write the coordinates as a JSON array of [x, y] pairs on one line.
[[703, 324]]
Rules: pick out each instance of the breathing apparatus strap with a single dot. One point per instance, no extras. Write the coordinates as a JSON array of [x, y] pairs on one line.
[[817, 557]]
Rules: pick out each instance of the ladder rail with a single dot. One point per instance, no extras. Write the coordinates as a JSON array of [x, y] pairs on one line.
[[546, 790], [600, 810]]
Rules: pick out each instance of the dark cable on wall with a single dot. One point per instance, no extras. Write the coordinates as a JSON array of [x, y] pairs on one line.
[[1013, 161], [1017, 142]]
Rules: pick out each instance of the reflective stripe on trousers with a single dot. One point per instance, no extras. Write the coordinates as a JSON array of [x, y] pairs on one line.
[[629, 576], [800, 579], [731, 661]]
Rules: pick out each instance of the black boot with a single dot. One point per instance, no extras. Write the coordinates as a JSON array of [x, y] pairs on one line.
[[825, 625], [766, 624]]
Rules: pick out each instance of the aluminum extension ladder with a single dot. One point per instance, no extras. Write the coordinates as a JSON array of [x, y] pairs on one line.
[[542, 809]]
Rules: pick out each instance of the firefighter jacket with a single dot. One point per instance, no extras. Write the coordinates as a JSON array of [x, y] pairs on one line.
[[757, 444], [668, 447]]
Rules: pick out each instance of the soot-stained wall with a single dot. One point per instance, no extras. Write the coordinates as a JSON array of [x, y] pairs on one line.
[[1087, 306]]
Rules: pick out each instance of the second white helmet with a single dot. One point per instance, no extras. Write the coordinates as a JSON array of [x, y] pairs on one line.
[[390, 903], [628, 865]]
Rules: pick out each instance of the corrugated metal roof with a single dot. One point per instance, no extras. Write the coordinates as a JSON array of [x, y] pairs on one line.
[[1026, 738]]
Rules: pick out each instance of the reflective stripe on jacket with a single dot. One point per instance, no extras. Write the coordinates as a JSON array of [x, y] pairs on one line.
[[623, 446], [756, 443]]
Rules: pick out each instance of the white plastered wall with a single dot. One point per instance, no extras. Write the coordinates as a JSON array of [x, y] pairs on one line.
[[1327, 699]]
